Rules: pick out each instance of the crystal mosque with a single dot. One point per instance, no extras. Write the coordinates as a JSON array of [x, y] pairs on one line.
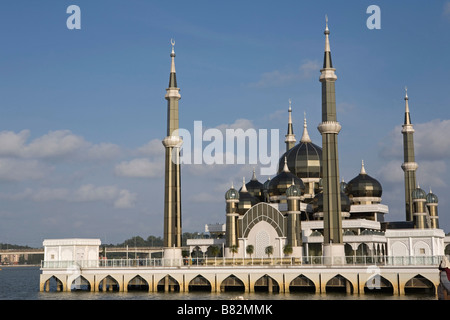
[[303, 228], [305, 211]]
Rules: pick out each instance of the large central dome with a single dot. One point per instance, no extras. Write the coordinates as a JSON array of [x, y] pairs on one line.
[[304, 159]]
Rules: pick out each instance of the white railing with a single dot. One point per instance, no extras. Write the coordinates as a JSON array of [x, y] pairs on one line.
[[231, 262]]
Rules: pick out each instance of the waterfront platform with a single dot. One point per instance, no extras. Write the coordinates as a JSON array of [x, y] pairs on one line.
[[359, 275]]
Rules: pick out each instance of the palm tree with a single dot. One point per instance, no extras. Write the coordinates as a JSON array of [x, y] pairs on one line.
[[250, 249], [234, 249], [214, 250], [287, 250], [269, 250]]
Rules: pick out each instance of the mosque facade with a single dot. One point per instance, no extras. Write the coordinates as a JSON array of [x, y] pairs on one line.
[[305, 211]]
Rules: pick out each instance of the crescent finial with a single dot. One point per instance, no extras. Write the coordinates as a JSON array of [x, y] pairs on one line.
[[172, 42]]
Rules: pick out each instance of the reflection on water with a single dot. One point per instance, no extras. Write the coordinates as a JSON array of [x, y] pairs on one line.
[[22, 283]]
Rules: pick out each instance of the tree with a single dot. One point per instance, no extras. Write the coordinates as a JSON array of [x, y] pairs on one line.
[[269, 250], [287, 250], [250, 249], [214, 250], [234, 249]]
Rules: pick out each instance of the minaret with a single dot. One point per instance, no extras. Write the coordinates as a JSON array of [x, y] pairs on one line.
[[290, 136], [409, 165], [329, 129], [172, 143]]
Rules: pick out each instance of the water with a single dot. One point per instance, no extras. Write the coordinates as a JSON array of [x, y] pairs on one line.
[[22, 283]]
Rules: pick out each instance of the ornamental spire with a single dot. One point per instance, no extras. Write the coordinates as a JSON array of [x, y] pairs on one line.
[[327, 56], [407, 114], [363, 171], [173, 77], [305, 136], [290, 136]]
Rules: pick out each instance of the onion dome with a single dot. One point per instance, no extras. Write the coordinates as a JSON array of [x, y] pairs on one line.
[[232, 194], [432, 198], [266, 185], [418, 194], [364, 185], [282, 181], [318, 202], [254, 187], [304, 159], [246, 199], [293, 191]]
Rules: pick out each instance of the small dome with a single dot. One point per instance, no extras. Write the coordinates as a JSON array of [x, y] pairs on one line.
[[364, 186], [318, 202], [293, 191], [254, 187], [232, 194], [282, 181], [246, 199], [266, 185], [418, 193], [432, 198]]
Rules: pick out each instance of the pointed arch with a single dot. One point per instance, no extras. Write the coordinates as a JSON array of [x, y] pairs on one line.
[[302, 284], [138, 284], [168, 284], [419, 284], [263, 212], [53, 284], [199, 283], [339, 284], [378, 284], [108, 283], [80, 284], [232, 283], [266, 284]]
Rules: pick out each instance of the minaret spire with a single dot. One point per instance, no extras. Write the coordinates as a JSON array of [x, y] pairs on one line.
[[172, 143], [290, 136], [173, 75], [407, 115], [333, 247], [409, 165]]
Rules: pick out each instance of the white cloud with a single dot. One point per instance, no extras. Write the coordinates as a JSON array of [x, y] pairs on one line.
[[430, 141], [140, 168], [22, 169], [152, 148], [54, 144], [278, 78], [119, 198]]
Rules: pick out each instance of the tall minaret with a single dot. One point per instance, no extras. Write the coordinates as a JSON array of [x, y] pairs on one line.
[[172, 143], [329, 129], [409, 165], [290, 136]]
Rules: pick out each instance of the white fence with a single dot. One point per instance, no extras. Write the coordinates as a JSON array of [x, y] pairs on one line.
[[227, 262]]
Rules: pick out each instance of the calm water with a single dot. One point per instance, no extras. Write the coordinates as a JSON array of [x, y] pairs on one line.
[[22, 283]]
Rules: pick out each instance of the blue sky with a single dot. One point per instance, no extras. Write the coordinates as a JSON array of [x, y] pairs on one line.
[[83, 111]]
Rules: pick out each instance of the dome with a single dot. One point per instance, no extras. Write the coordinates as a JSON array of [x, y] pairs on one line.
[[246, 199], [254, 187], [418, 194], [318, 202], [282, 181], [432, 198], [364, 186], [232, 194], [293, 191], [304, 159]]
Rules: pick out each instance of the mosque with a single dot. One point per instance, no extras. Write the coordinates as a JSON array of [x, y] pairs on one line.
[[306, 211]]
